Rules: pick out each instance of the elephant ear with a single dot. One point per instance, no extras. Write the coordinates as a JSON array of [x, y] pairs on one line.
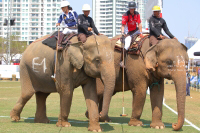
[[184, 47], [186, 55], [151, 58], [76, 55]]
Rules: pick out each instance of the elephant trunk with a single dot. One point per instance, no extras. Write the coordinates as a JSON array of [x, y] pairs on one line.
[[180, 85], [108, 79]]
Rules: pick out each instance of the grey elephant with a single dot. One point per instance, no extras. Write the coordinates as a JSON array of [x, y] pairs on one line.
[[167, 59], [79, 65]]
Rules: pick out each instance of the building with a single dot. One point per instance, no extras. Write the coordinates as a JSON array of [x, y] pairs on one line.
[[190, 41], [107, 14], [33, 18], [148, 9]]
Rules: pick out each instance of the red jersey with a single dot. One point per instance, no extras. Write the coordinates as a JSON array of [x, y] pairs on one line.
[[131, 20]]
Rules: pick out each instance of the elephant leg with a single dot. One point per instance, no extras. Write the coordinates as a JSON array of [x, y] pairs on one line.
[[100, 102], [16, 111], [100, 99], [65, 105], [139, 97], [91, 98], [156, 96], [40, 115]]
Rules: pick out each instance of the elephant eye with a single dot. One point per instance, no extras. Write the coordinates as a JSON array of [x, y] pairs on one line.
[[97, 60], [169, 63]]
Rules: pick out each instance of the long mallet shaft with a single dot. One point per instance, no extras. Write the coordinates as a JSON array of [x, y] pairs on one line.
[[54, 76], [123, 112]]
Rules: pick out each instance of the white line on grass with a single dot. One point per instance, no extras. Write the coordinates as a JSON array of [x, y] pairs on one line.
[[87, 122], [197, 128], [11, 87], [9, 81]]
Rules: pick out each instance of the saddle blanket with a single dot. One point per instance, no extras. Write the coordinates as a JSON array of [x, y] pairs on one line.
[[51, 41], [136, 44]]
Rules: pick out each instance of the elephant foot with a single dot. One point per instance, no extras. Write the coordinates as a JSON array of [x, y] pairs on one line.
[[135, 122], [41, 120], [104, 119], [86, 114], [63, 124], [157, 125], [94, 127], [14, 116]]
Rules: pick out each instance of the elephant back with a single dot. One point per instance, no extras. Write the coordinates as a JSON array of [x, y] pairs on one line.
[[37, 50]]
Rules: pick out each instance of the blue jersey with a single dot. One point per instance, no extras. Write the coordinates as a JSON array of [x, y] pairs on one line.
[[70, 19]]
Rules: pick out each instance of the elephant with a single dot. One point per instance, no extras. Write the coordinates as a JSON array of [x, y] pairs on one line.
[[167, 59], [77, 65]]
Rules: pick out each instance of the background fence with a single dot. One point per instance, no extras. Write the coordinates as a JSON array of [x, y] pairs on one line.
[[9, 72]]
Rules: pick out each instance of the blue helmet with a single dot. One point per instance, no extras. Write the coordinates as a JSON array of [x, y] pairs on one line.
[[132, 5]]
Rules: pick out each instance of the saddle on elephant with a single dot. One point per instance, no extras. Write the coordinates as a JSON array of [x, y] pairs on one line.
[[136, 44], [51, 41]]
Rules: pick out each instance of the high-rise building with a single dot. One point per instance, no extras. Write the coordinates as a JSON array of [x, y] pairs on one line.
[[190, 41], [33, 18], [107, 14], [148, 9]]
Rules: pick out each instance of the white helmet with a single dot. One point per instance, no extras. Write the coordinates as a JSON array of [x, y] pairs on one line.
[[86, 7], [64, 4]]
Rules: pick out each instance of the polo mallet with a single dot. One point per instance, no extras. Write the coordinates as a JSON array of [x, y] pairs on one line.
[[123, 114], [54, 76]]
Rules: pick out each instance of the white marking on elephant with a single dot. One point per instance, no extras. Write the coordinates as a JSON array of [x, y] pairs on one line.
[[181, 60], [34, 64], [109, 56], [179, 64], [104, 48], [174, 66]]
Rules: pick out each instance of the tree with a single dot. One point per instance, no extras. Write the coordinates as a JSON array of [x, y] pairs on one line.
[[2, 48], [16, 47]]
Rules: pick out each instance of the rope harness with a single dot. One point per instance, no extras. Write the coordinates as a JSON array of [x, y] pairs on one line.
[[156, 81]]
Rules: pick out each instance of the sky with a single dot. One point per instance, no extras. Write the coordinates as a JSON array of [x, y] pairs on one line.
[[182, 16], [77, 5]]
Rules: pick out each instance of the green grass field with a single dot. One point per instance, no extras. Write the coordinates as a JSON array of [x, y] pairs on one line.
[[10, 92]]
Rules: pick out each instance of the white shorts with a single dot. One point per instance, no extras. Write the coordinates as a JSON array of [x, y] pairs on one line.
[[128, 40], [67, 30]]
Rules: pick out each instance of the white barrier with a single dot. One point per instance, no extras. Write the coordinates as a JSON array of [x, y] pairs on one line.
[[6, 71]]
